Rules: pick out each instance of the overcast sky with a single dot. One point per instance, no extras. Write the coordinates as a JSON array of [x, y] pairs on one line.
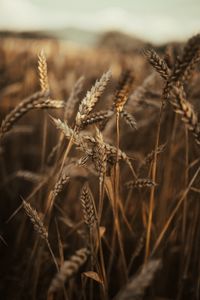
[[154, 20]]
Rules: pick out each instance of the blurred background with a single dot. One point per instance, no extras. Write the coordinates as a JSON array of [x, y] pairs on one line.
[[153, 21]]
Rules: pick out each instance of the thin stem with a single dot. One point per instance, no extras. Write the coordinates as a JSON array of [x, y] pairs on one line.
[[152, 193], [53, 256], [174, 213], [186, 181]]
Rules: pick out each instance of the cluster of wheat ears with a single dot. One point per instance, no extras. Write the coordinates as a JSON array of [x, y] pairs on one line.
[[107, 222]]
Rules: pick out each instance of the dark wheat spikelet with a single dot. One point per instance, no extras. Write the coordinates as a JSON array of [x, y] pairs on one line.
[[42, 67], [69, 269], [189, 52], [135, 288], [123, 90], [130, 120], [36, 221], [22, 108], [87, 204], [140, 183], [60, 184], [96, 117], [184, 108], [185, 76], [157, 62], [184, 66]]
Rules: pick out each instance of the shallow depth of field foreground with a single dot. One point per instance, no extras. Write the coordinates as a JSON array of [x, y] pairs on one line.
[[100, 170]]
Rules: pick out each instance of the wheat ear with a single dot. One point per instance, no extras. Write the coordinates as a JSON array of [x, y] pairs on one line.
[[91, 98], [135, 288], [123, 89], [21, 109], [129, 119], [157, 62], [39, 227], [88, 208], [69, 269], [42, 67], [96, 117], [36, 221], [99, 155], [184, 108], [141, 183]]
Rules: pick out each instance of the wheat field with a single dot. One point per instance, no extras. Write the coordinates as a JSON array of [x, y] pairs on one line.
[[100, 170]]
